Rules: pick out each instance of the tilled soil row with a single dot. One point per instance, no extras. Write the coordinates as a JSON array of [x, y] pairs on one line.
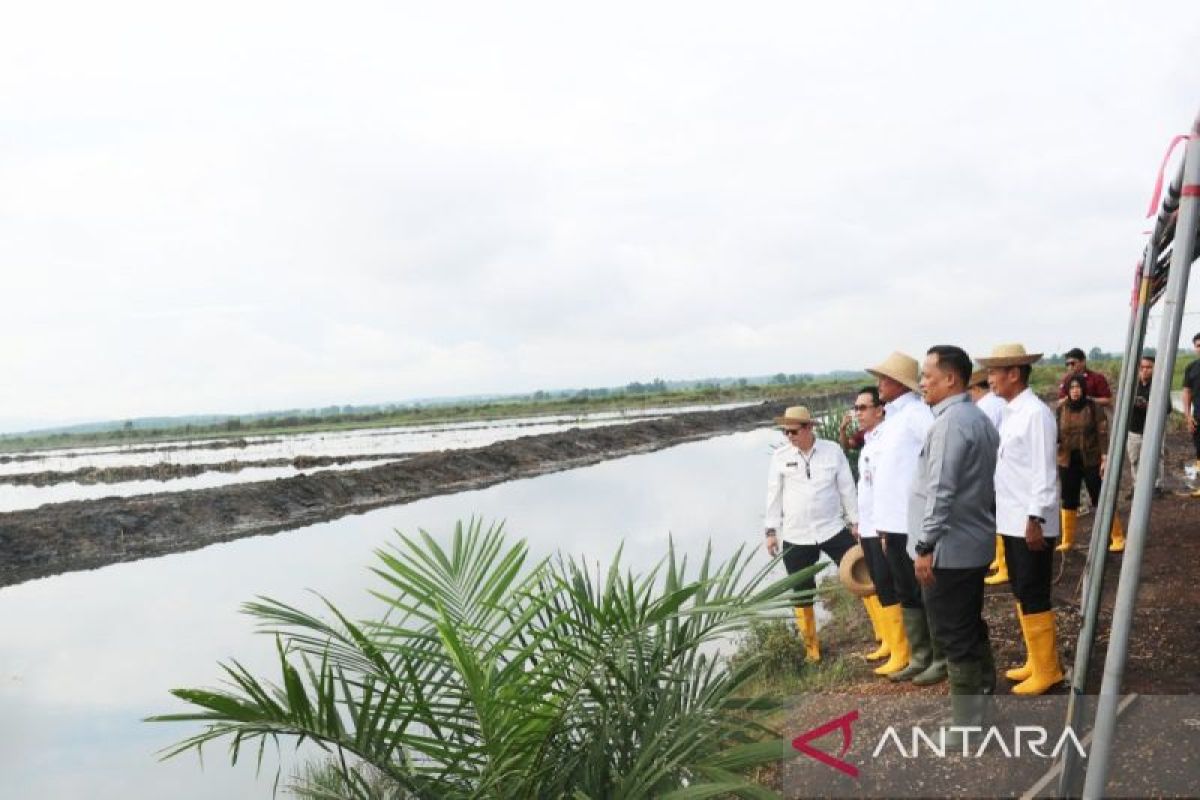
[[94, 533]]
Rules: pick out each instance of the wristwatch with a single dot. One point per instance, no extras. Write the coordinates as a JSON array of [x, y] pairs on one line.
[[924, 548], [1037, 519]]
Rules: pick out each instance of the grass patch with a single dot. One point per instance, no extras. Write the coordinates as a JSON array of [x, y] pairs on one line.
[[785, 671]]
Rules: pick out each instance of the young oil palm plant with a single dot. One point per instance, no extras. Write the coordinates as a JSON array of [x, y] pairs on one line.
[[486, 676]]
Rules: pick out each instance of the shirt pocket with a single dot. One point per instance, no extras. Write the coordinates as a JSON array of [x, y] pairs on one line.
[[825, 473]]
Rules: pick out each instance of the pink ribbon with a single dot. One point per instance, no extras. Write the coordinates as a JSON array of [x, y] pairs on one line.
[[1162, 170]]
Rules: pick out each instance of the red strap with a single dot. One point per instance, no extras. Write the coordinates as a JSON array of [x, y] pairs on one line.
[[1158, 184], [1191, 190]]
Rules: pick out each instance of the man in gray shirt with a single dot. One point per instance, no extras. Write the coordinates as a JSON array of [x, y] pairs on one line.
[[952, 528]]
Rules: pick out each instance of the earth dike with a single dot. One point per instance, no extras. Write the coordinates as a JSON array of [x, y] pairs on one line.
[[89, 534]]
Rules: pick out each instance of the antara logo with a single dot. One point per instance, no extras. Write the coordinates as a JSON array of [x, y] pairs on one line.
[[1025, 739], [842, 723]]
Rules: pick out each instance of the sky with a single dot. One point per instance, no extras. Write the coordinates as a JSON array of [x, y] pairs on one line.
[[234, 207]]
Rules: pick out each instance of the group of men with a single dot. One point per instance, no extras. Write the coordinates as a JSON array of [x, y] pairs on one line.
[[939, 477]]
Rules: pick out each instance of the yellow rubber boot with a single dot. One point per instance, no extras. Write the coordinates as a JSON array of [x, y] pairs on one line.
[[1118, 536], [1023, 672], [806, 621], [1043, 654], [871, 602], [1069, 518], [1001, 575], [893, 631]]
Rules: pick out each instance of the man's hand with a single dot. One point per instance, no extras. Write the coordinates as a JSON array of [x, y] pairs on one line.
[[924, 569], [1103, 465], [854, 530], [772, 543], [1034, 539]]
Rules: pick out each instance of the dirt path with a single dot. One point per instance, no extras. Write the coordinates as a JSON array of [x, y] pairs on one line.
[[90, 534]]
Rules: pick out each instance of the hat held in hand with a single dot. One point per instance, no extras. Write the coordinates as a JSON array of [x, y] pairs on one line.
[[853, 574]]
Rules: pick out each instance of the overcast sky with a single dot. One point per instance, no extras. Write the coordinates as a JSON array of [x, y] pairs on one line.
[[232, 207]]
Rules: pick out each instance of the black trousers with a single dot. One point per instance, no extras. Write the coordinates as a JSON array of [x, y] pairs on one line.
[[954, 604], [1073, 477], [904, 579], [881, 573], [798, 556], [1030, 573]]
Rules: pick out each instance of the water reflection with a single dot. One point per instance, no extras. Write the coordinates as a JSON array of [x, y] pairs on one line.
[[86, 655]]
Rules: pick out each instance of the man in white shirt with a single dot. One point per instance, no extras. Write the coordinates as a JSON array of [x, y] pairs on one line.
[[1027, 510], [811, 504], [883, 606], [993, 408], [901, 435]]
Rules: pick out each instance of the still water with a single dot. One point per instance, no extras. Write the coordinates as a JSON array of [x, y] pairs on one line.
[[84, 656]]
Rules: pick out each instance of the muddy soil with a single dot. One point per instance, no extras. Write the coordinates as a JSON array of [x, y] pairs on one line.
[[164, 471], [1163, 659], [218, 444], [89, 534]]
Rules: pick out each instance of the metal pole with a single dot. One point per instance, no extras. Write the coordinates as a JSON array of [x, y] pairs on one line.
[[1139, 516], [1105, 511]]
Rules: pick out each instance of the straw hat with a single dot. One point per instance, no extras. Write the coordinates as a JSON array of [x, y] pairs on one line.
[[898, 367], [795, 415], [853, 574], [978, 376], [1009, 355]]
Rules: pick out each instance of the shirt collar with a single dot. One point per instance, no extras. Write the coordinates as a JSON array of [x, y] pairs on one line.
[[1021, 399], [953, 399], [900, 402]]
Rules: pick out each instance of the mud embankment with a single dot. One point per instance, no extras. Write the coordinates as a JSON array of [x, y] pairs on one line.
[[90, 534], [166, 471]]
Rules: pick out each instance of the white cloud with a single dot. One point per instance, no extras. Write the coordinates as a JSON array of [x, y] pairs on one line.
[[241, 207]]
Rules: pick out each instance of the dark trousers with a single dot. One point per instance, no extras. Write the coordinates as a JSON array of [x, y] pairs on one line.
[[1196, 441], [881, 574], [904, 578], [1030, 573], [954, 604], [798, 556], [1073, 477]]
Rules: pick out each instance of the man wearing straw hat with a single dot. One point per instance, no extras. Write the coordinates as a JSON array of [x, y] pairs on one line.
[[993, 408], [1027, 511], [952, 528], [897, 447], [811, 504]]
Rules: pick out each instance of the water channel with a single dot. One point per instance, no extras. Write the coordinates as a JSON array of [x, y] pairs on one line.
[[85, 656]]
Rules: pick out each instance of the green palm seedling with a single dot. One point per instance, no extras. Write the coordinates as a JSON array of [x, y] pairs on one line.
[[488, 676]]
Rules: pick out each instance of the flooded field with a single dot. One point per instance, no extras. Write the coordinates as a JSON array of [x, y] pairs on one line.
[[31, 478], [87, 654]]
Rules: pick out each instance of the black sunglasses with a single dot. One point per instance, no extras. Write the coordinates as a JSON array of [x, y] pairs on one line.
[[794, 431]]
